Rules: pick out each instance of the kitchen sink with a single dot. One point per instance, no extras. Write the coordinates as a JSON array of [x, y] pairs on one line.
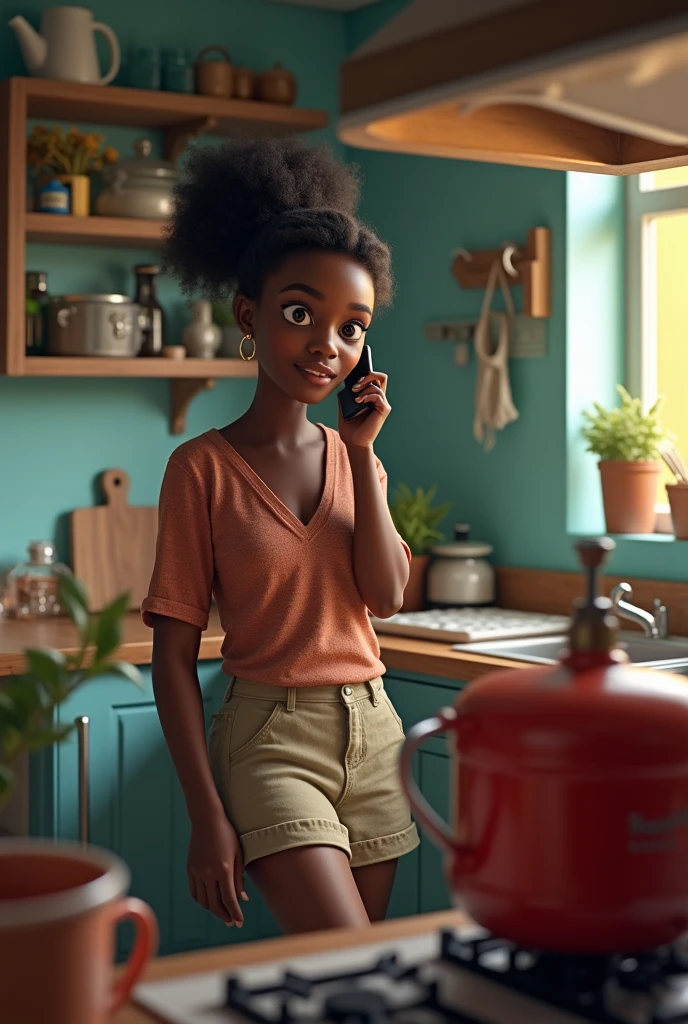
[[670, 654]]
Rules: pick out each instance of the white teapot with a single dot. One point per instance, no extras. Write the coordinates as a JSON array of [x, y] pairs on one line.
[[65, 48]]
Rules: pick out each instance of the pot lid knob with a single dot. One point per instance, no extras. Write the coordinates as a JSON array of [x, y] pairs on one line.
[[594, 627]]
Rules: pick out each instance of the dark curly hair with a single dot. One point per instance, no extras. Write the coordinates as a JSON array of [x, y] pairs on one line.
[[242, 208]]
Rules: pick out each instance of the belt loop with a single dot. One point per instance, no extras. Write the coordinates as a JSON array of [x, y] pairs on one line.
[[373, 693], [228, 691], [291, 698]]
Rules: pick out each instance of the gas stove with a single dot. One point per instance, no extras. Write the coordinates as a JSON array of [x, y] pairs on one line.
[[461, 977]]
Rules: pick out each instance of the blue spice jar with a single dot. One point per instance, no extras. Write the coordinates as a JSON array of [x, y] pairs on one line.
[[53, 197], [144, 69]]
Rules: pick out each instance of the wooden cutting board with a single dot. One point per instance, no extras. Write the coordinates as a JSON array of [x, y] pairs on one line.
[[113, 545]]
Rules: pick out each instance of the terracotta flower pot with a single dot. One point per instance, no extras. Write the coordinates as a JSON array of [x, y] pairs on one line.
[[414, 595], [59, 905], [678, 499], [629, 492]]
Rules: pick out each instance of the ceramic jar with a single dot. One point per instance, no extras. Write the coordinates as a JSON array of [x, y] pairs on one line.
[[214, 77], [460, 574], [277, 86], [244, 87], [201, 337]]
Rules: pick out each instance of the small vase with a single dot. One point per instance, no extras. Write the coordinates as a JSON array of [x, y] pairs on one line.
[[414, 594], [202, 337], [629, 492], [80, 189]]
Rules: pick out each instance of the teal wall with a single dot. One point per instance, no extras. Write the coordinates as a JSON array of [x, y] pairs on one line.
[[528, 495], [57, 435]]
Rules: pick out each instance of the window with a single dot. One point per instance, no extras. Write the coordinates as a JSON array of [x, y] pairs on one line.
[[657, 206]]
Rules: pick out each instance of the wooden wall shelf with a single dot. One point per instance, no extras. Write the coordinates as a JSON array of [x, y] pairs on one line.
[[181, 118], [167, 369], [116, 231]]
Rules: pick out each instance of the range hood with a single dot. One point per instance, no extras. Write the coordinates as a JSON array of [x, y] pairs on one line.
[[581, 85]]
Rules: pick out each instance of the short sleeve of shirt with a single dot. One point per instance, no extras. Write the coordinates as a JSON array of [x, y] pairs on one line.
[[181, 585], [381, 472]]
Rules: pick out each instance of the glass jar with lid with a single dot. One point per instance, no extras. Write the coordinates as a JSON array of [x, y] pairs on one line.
[[33, 585]]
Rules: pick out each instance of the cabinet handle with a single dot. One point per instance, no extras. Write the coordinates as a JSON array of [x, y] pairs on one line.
[[82, 732]]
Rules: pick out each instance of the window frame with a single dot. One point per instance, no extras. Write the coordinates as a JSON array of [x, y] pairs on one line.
[[641, 313]]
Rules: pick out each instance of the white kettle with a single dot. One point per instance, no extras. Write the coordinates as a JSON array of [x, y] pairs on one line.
[[460, 574], [65, 48]]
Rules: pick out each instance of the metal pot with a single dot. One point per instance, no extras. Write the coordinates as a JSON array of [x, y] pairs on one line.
[[142, 187], [93, 325]]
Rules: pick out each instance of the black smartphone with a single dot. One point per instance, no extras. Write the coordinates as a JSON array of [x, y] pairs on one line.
[[347, 398]]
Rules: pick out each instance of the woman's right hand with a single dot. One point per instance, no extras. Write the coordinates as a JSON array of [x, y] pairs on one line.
[[215, 868]]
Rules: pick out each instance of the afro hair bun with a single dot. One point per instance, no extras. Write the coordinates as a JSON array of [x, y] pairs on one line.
[[221, 236]]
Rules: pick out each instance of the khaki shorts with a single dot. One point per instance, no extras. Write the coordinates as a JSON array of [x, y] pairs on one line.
[[312, 766]]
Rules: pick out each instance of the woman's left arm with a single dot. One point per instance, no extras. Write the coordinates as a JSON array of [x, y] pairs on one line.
[[381, 565]]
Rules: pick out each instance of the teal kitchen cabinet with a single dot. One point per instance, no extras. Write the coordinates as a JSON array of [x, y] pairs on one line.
[[420, 886], [136, 807]]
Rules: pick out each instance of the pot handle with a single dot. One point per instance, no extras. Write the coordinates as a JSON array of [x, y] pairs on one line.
[[214, 49], [432, 823], [145, 945]]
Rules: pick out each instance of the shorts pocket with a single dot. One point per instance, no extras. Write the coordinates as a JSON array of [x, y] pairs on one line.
[[391, 707], [253, 721]]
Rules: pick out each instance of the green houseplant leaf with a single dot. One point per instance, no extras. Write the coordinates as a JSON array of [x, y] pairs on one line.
[[28, 700], [625, 433], [416, 518]]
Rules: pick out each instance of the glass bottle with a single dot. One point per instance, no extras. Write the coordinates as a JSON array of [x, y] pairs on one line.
[[151, 313], [35, 311], [32, 585]]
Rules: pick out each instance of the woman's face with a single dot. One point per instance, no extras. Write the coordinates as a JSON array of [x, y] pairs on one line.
[[309, 325]]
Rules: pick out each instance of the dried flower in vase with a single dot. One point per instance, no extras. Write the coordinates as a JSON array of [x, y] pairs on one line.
[[71, 152]]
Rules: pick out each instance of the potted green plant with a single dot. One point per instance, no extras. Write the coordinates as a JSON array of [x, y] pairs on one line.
[[416, 520], [626, 440], [59, 902]]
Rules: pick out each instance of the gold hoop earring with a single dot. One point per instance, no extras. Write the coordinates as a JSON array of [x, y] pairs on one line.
[[247, 337]]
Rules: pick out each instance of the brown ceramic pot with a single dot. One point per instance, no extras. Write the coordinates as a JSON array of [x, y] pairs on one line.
[[277, 86], [214, 77], [244, 87], [59, 907], [629, 492], [414, 595], [678, 499]]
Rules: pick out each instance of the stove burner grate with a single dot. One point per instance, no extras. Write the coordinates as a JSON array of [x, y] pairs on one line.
[[645, 989]]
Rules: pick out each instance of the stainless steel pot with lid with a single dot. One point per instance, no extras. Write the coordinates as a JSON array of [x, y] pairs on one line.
[[93, 325], [141, 187]]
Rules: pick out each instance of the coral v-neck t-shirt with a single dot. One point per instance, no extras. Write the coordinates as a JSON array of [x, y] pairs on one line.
[[285, 591]]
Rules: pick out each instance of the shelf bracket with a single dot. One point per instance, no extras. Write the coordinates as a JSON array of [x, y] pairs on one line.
[[178, 136], [183, 392]]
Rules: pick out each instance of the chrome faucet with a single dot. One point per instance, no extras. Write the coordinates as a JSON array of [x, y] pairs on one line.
[[655, 626]]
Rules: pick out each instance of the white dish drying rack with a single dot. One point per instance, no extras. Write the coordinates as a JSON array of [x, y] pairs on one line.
[[471, 625]]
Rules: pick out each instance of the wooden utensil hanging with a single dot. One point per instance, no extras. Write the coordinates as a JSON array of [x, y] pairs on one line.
[[532, 266]]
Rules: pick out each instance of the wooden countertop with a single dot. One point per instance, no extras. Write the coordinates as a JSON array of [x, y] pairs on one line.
[[229, 957], [427, 657]]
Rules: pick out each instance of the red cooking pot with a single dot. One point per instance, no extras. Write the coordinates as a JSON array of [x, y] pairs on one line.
[[571, 801]]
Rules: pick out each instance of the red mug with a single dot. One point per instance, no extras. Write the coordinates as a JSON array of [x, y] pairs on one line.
[[59, 907]]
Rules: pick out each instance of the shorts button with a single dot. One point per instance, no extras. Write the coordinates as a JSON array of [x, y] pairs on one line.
[[347, 691]]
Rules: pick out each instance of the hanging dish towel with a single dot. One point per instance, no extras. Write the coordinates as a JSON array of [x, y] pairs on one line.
[[494, 407]]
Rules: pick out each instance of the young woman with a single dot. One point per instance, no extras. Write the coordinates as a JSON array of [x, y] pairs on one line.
[[286, 523]]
